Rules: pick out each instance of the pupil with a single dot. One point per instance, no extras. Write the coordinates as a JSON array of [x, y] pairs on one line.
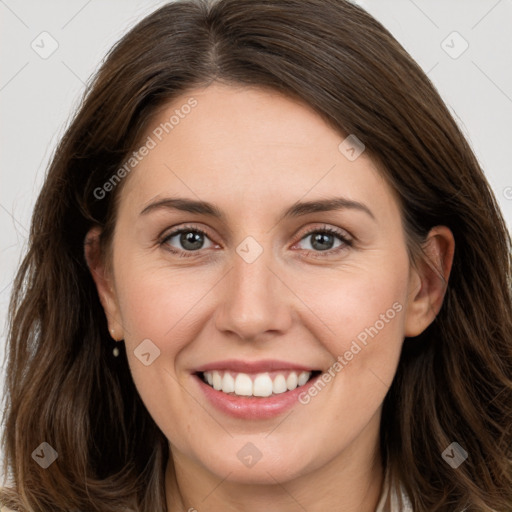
[[193, 238], [322, 241]]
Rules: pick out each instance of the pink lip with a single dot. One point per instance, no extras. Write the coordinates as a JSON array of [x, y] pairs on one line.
[[265, 365], [252, 408]]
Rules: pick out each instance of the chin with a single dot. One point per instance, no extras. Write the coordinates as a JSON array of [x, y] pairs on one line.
[[271, 467]]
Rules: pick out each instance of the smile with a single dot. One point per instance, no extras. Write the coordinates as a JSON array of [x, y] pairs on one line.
[[257, 385], [253, 390]]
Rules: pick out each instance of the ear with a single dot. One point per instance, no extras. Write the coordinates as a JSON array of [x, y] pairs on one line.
[[429, 281], [104, 282]]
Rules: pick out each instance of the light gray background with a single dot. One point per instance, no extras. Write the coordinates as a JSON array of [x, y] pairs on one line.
[[37, 96]]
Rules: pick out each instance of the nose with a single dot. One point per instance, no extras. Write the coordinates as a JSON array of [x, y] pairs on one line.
[[254, 300]]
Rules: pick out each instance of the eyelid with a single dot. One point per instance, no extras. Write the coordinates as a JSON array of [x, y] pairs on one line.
[[342, 233], [176, 230]]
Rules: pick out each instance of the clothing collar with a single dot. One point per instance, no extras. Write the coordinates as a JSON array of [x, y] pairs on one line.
[[389, 501]]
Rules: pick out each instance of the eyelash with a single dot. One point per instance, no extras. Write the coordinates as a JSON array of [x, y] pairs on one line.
[[341, 235]]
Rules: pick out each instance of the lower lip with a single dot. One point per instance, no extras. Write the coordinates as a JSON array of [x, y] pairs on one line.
[[252, 408]]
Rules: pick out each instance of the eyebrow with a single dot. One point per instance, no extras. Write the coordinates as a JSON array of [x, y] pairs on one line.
[[298, 209]]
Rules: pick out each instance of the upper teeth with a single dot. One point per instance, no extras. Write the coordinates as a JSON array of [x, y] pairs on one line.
[[242, 384]]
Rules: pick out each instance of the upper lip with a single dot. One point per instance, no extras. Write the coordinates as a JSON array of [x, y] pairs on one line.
[[264, 365]]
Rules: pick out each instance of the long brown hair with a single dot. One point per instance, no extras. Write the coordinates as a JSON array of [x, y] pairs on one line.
[[454, 381]]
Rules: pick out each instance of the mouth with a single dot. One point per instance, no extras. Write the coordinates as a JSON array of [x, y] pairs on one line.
[[254, 390], [256, 385]]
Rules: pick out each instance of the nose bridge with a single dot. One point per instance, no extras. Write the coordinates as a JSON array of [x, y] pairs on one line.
[[253, 301]]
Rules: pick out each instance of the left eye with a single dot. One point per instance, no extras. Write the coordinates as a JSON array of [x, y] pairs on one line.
[[324, 240], [190, 239]]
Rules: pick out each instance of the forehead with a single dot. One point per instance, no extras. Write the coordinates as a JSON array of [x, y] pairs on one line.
[[253, 144]]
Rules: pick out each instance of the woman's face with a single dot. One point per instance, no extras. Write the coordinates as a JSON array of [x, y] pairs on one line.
[[267, 282]]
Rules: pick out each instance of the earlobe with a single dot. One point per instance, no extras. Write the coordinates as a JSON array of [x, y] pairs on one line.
[[429, 281], [103, 280]]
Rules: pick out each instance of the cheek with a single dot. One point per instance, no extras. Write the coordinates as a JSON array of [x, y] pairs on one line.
[[359, 318], [353, 303], [156, 302], [159, 305]]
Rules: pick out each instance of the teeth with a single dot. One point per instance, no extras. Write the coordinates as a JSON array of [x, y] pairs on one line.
[[228, 383], [243, 385], [291, 381], [217, 381], [279, 385], [262, 385], [303, 378]]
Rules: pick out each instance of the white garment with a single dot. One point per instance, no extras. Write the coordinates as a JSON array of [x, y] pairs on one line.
[[407, 506]]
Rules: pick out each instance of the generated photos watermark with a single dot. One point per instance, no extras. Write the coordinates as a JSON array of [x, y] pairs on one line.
[[355, 347], [150, 143]]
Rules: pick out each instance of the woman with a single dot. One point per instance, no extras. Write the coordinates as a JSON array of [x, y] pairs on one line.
[[265, 271]]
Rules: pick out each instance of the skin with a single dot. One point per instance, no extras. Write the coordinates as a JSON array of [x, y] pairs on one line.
[[253, 153]]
